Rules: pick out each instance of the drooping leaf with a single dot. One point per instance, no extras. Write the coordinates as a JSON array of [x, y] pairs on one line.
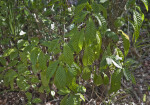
[[126, 42]]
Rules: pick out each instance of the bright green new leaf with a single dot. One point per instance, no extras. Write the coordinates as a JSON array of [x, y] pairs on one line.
[[146, 4], [64, 91], [88, 56]]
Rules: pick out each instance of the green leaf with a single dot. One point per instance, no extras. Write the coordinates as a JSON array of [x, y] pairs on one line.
[[44, 79], [64, 91], [80, 16], [77, 40], [73, 100], [146, 4], [23, 57], [81, 96], [115, 81], [98, 80], [60, 77], [36, 100], [90, 32], [102, 22], [78, 9], [42, 61], [51, 69], [106, 79], [119, 53], [88, 57], [86, 73], [64, 100], [22, 83], [8, 52], [13, 63], [126, 42], [137, 24], [34, 55], [34, 40], [110, 61], [81, 89], [14, 55], [9, 78], [3, 61], [29, 96], [99, 38], [68, 54]]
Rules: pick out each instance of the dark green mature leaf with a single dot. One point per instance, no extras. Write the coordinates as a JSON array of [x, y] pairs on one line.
[[9, 78], [78, 9], [90, 32], [60, 77], [51, 69], [64, 100], [34, 55], [44, 79], [42, 61], [23, 57], [3, 61], [68, 54], [86, 73], [98, 80], [115, 81], [73, 100], [22, 83]]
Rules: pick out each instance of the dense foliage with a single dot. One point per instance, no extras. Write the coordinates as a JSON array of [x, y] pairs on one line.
[[48, 43]]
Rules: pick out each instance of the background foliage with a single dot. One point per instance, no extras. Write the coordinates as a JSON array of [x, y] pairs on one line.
[[62, 44]]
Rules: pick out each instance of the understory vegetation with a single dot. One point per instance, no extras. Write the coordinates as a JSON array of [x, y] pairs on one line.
[[61, 49]]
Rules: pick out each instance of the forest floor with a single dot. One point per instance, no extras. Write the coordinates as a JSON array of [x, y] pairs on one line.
[[129, 94]]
